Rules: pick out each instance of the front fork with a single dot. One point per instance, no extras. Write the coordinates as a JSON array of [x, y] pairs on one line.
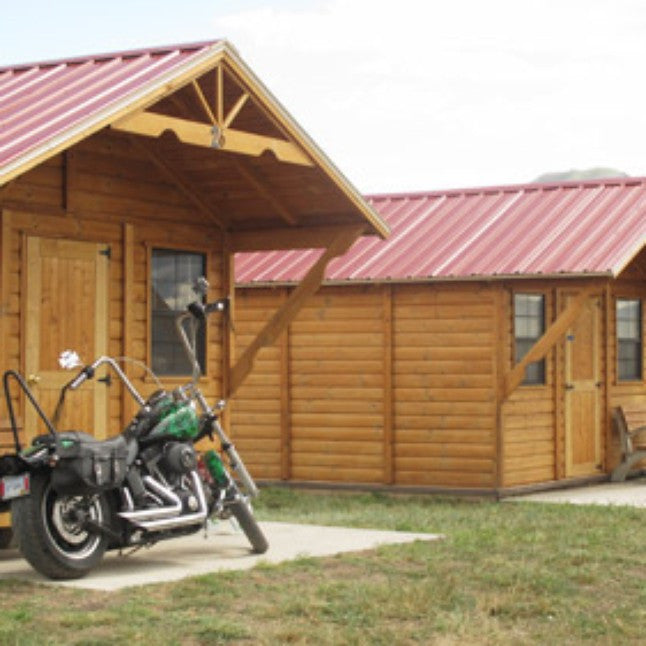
[[235, 461]]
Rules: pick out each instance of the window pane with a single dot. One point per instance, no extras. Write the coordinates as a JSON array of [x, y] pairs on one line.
[[173, 276], [629, 340], [529, 326]]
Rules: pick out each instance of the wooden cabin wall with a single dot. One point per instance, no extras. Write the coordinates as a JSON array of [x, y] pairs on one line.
[[631, 284], [102, 190], [256, 422], [373, 384], [529, 416]]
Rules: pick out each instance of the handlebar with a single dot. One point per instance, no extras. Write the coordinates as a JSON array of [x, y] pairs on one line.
[[88, 372]]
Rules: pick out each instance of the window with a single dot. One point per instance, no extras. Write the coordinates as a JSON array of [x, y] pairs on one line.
[[629, 339], [173, 276], [529, 326]]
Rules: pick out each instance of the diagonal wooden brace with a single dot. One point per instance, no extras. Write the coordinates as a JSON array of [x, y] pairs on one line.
[[292, 306], [553, 333]]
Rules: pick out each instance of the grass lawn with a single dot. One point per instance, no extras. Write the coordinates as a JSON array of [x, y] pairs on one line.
[[506, 573]]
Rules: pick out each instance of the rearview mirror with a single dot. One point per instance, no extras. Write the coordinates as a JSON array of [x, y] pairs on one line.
[[69, 359]]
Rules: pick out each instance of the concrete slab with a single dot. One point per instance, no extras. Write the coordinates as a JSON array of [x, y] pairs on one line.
[[631, 493], [222, 549]]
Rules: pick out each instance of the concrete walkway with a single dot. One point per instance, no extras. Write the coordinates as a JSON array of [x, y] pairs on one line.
[[631, 493], [222, 549]]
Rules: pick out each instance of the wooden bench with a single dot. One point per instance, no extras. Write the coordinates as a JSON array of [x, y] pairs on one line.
[[630, 421]]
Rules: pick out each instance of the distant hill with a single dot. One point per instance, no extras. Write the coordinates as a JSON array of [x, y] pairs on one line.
[[573, 175]]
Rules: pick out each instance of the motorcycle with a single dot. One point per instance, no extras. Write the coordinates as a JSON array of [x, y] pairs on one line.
[[73, 497]]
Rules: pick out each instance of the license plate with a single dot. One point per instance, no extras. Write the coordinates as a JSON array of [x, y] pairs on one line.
[[14, 486]]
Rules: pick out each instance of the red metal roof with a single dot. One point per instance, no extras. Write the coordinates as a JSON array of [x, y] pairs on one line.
[[571, 228], [44, 103]]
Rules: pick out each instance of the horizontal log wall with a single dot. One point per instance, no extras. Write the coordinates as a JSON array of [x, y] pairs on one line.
[[529, 415], [372, 384], [102, 190], [631, 285], [444, 386]]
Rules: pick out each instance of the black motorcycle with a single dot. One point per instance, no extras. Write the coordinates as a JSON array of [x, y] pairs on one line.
[[74, 497]]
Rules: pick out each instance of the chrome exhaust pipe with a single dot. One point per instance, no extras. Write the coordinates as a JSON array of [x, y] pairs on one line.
[[159, 524], [157, 513]]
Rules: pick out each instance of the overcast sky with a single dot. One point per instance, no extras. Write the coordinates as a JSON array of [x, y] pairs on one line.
[[406, 94]]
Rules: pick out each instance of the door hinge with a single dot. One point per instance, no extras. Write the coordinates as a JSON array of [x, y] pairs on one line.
[[107, 252], [107, 380]]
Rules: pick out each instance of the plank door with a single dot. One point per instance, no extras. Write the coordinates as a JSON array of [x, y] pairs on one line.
[[583, 391], [66, 309]]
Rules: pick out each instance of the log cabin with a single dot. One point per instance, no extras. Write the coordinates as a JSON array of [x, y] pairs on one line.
[[125, 176], [480, 349]]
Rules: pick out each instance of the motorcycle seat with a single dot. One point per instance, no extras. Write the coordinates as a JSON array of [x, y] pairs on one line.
[[87, 439]]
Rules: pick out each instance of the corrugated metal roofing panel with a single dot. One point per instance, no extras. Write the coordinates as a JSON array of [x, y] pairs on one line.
[[42, 101], [570, 228]]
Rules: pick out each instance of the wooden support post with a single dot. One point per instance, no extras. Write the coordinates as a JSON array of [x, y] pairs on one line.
[[559, 413], [5, 258], [609, 344], [546, 342], [229, 340], [128, 404], [290, 309], [498, 359], [388, 338], [285, 408]]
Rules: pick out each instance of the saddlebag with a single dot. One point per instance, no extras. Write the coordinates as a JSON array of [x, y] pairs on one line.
[[86, 465]]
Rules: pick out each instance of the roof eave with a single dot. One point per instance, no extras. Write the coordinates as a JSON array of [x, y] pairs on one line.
[[141, 98], [293, 128], [495, 278]]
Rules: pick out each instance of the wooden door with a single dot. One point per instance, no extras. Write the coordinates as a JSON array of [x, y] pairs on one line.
[[583, 392], [66, 292]]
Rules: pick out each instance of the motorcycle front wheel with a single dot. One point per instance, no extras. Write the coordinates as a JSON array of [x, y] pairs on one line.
[[249, 525], [51, 530]]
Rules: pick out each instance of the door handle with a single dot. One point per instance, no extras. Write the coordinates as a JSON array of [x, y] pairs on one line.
[[33, 380], [569, 386]]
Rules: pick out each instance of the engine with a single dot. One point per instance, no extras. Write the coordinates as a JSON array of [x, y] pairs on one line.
[[172, 463]]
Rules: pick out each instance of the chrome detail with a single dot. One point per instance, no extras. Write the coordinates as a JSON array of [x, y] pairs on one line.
[[183, 519]]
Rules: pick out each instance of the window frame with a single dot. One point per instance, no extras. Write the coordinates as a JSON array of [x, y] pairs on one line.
[[619, 380], [515, 359], [179, 248]]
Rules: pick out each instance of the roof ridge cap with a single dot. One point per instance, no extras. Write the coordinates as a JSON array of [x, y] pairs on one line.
[[509, 188]]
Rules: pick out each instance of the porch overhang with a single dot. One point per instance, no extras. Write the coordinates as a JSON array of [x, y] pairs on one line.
[[212, 130]]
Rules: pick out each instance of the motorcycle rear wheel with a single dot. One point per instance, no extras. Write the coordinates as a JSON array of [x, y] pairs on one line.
[[249, 525], [51, 535]]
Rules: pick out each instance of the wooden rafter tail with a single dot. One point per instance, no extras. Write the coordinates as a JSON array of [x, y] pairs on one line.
[[549, 339], [253, 179], [179, 181], [292, 306]]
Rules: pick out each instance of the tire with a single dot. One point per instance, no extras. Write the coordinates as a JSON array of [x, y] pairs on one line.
[[243, 514], [55, 546]]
